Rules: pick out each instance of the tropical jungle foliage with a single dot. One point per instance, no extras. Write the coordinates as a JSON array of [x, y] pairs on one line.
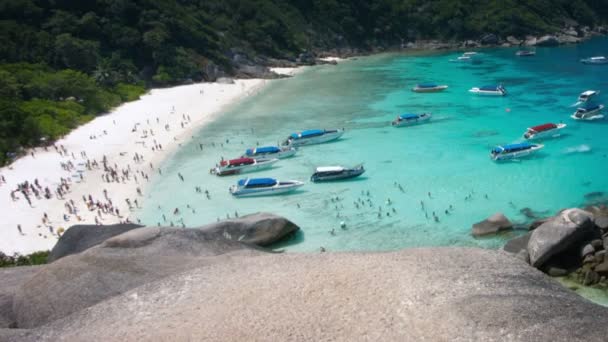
[[63, 61]]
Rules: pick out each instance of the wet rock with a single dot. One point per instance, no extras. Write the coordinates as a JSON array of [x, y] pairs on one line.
[[489, 39], [587, 250], [517, 244], [556, 271], [591, 277], [513, 41], [602, 268], [492, 225], [537, 223], [547, 41], [566, 229], [597, 244], [601, 222]]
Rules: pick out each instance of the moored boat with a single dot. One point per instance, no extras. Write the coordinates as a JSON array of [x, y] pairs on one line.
[[242, 165], [429, 88], [251, 187], [266, 152], [588, 113], [465, 59], [587, 95], [595, 60], [525, 53], [333, 173], [411, 119], [497, 90], [547, 130], [313, 136], [512, 151]]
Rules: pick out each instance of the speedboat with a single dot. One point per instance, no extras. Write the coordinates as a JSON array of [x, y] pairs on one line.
[[595, 60], [465, 59], [333, 173], [547, 130], [270, 152], [587, 95], [251, 187], [242, 165], [525, 53], [313, 136], [429, 88], [512, 151], [497, 90], [470, 54], [411, 119], [588, 113]]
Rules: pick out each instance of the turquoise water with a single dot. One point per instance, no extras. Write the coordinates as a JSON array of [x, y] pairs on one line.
[[448, 157]]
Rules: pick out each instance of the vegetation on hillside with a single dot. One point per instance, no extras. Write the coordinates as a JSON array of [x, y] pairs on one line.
[[63, 62], [37, 258]]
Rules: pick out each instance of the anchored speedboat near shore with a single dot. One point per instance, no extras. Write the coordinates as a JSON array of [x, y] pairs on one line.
[[313, 136], [548, 130], [333, 173], [429, 88], [411, 119], [242, 165], [266, 152], [497, 90], [588, 113], [252, 187], [513, 151]]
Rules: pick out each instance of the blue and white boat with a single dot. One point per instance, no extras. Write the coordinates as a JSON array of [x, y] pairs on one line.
[[595, 60], [429, 88], [270, 152], [494, 90], [313, 136], [588, 113], [251, 187], [513, 151], [411, 119]]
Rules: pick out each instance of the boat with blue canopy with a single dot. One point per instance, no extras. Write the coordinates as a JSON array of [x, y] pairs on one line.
[[411, 119], [313, 136], [242, 165], [592, 112], [251, 187], [512, 151], [270, 152], [429, 88], [490, 90]]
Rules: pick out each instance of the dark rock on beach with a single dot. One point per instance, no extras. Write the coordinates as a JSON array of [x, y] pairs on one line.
[[489, 39], [81, 237], [492, 225], [547, 41]]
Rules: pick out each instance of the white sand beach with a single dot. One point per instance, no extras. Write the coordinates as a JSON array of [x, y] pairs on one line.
[[134, 138]]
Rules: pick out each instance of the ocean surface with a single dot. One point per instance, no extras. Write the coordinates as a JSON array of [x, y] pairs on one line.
[[444, 163]]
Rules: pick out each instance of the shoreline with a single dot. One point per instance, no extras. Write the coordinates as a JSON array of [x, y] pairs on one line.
[[134, 139]]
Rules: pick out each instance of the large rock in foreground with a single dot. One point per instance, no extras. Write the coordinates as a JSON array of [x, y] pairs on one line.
[[568, 228], [434, 294], [81, 237], [492, 225], [260, 229]]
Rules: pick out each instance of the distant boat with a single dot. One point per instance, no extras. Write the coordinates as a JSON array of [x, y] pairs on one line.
[[525, 53], [588, 113], [270, 152], [429, 88], [242, 165], [411, 119], [513, 151], [587, 95], [595, 60], [251, 187], [547, 130], [313, 136], [470, 54], [465, 59], [333, 173], [497, 90]]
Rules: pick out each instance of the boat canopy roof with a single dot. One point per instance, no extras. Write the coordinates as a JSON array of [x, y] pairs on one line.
[[588, 93], [257, 182], [543, 127], [408, 116], [512, 147], [426, 85], [308, 133], [330, 169], [264, 149]]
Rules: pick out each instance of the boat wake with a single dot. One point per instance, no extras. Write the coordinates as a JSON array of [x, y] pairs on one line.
[[578, 149]]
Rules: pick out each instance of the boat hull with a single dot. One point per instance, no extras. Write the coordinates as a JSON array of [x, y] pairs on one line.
[[517, 154], [552, 133], [412, 122], [486, 92], [258, 166], [430, 90], [279, 189], [327, 137], [347, 174]]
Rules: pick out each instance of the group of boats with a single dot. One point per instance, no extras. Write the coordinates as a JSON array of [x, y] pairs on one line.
[[264, 158]]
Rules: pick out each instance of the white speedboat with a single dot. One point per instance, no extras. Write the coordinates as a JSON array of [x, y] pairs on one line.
[[429, 88], [464, 59], [587, 95], [588, 113], [266, 152], [252, 187], [242, 165], [513, 151], [313, 136], [548, 130], [470, 54], [411, 119], [525, 53], [497, 90], [333, 173], [595, 60]]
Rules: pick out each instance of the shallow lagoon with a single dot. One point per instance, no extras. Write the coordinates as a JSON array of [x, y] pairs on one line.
[[448, 157]]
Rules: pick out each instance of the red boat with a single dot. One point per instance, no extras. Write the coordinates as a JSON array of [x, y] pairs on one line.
[[547, 130], [241, 165]]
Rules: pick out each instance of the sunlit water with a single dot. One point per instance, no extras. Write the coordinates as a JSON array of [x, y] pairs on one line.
[[448, 157]]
